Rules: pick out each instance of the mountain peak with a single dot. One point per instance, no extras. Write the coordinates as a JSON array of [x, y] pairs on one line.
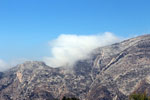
[[32, 65]]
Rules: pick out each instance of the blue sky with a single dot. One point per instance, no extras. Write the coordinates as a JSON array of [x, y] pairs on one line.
[[26, 26]]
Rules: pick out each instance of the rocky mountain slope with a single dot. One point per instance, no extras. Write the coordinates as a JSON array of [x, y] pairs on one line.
[[109, 73]]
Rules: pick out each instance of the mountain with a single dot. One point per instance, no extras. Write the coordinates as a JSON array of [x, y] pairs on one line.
[[109, 73]]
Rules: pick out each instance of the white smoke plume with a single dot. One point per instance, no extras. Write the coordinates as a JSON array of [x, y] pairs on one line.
[[67, 49]]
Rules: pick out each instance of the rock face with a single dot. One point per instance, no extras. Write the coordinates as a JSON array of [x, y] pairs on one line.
[[110, 73]]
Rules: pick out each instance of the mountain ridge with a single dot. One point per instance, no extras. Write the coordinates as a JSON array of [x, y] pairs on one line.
[[121, 65]]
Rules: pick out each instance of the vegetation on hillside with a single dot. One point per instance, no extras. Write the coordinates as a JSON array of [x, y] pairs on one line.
[[133, 96], [73, 98], [138, 96]]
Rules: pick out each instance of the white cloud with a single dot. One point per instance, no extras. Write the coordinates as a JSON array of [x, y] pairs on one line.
[[67, 49], [9, 64], [3, 65]]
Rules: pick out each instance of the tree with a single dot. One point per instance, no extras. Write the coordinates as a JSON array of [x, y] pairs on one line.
[[73, 98]]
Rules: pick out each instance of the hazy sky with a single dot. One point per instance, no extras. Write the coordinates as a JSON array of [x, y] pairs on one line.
[[27, 26]]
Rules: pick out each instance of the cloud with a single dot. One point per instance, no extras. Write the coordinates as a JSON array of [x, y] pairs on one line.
[[67, 49], [9, 64], [3, 65]]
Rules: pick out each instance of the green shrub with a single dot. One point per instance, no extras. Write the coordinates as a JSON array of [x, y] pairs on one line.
[[138, 96]]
